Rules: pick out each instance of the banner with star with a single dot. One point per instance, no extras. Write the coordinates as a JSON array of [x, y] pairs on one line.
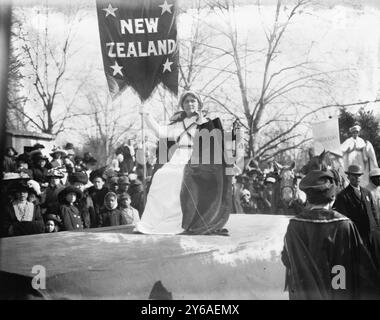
[[138, 40]]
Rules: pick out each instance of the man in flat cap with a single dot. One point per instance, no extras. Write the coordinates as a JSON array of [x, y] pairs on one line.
[[324, 255], [360, 152]]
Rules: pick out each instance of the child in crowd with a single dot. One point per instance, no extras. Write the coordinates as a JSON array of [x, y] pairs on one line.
[[68, 211], [52, 223], [110, 214], [130, 214]]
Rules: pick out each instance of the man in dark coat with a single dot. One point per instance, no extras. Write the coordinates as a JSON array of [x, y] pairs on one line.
[[356, 203], [324, 255]]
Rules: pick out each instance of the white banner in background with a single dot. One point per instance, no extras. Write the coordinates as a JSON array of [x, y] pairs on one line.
[[326, 136]]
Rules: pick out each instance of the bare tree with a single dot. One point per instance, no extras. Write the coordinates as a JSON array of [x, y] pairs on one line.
[[272, 108], [106, 123], [48, 60]]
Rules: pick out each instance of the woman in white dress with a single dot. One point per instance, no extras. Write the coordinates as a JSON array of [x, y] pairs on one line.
[[165, 204], [360, 152]]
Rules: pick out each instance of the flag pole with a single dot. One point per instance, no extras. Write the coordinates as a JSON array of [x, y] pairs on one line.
[[143, 151]]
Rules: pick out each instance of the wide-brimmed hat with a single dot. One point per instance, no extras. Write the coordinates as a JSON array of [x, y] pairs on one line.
[[13, 176], [38, 146], [52, 217], [58, 150], [374, 172], [80, 177], [15, 153], [354, 169], [99, 173], [69, 189], [55, 173]]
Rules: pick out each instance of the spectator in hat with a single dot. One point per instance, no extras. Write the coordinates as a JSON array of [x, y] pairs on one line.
[[123, 184], [39, 169], [68, 210], [130, 214], [318, 240], [356, 203], [110, 214], [9, 162], [79, 165], [49, 201], [58, 155], [238, 183], [360, 152], [268, 195], [98, 191], [374, 187], [22, 165], [52, 223], [85, 204], [38, 147], [21, 217], [136, 191], [246, 202], [113, 184]]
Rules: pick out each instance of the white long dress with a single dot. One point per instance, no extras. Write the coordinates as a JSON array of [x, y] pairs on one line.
[[163, 213], [359, 152]]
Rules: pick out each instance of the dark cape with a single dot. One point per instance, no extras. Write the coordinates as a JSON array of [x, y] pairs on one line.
[[206, 193], [315, 242]]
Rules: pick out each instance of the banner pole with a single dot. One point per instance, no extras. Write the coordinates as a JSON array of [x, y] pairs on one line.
[[143, 151]]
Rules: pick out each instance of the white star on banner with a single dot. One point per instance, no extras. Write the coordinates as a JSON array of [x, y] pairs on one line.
[[116, 69], [165, 7], [110, 10], [167, 66]]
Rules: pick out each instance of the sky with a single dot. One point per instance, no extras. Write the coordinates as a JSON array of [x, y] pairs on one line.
[[344, 34]]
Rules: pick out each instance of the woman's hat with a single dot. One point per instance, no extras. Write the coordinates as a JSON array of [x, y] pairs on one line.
[[80, 177], [192, 93], [354, 169], [13, 176], [58, 150], [68, 146], [38, 146], [98, 173], [355, 128], [52, 217], [270, 180], [15, 153], [69, 189], [55, 173]]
